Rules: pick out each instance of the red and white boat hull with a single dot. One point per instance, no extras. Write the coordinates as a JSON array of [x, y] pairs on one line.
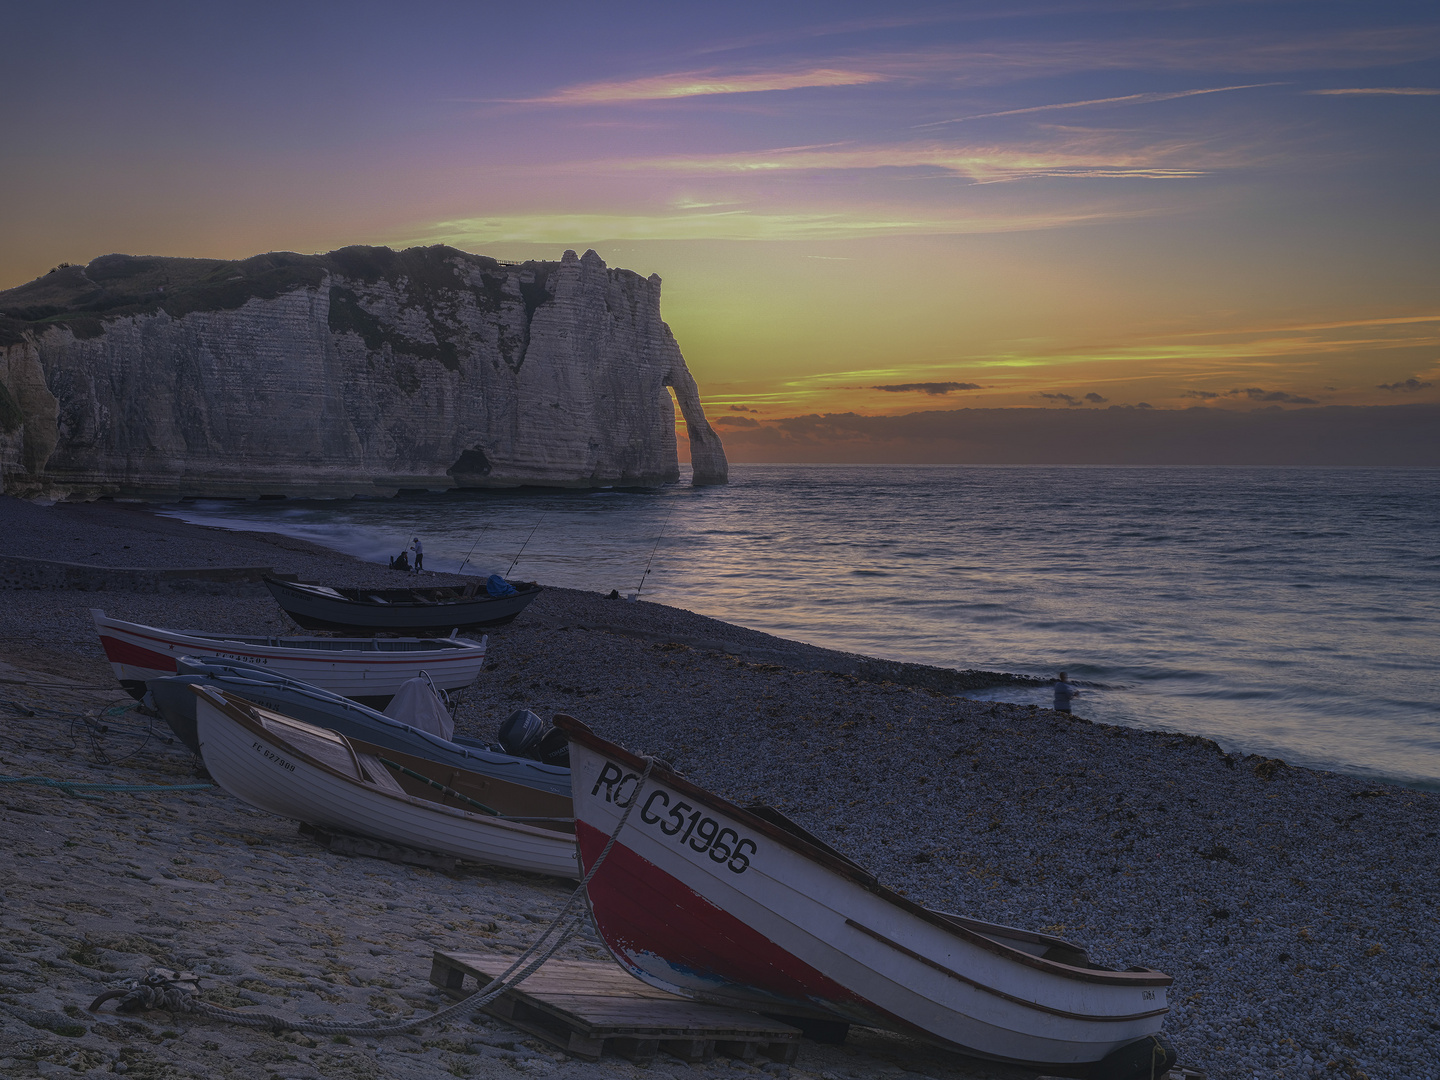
[[702, 898], [364, 668]]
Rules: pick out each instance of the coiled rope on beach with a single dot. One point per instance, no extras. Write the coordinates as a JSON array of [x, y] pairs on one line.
[[94, 730], [162, 988]]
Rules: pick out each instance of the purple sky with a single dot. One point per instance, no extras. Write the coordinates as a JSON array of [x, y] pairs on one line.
[[990, 205]]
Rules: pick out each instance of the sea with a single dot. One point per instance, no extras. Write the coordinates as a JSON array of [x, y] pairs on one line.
[[1287, 612]]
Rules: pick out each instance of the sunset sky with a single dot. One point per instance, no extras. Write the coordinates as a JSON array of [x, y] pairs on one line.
[[854, 207]]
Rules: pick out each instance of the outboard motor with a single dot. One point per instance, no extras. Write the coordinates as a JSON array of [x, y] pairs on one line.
[[554, 748], [521, 732]]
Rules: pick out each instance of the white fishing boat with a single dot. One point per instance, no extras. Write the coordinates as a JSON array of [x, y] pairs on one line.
[[310, 774], [366, 669], [745, 908], [172, 698]]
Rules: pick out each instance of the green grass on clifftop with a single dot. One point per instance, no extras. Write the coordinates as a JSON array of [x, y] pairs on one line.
[[83, 298]]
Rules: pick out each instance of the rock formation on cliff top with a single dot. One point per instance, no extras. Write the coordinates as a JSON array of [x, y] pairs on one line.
[[365, 370]]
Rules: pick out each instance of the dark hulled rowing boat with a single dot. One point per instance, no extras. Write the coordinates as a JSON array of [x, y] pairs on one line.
[[400, 611]]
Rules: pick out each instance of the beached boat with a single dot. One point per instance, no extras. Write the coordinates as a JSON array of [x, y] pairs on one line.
[[366, 669], [745, 908], [173, 699], [309, 774], [400, 611]]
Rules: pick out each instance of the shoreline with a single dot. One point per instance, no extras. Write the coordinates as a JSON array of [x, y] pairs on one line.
[[1287, 903], [705, 632], [716, 633]]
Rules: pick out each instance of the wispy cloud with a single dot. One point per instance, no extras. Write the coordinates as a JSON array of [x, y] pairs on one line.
[[931, 388], [998, 61], [1410, 385], [700, 84], [1194, 355], [1392, 320], [807, 391], [1081, 155], [1251, 393], [1125, 99], [578, 230], [1255, 393], [1254, 50], [1400, 91], [1092, 398]]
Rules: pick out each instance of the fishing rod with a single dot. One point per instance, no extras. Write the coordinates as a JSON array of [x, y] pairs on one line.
[[654, 549], [473, 546], [525, 545]]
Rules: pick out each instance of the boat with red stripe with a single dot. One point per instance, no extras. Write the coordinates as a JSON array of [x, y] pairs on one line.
[[745, 908], [367, 669]]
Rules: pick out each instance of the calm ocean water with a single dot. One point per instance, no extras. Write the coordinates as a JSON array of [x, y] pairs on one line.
[[1289, 612]]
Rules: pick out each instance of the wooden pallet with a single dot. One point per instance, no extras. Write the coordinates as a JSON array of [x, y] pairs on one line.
[[586, 1007]]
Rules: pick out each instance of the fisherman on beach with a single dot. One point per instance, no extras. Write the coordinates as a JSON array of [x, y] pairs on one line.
[[1064, 691], [419, 554]]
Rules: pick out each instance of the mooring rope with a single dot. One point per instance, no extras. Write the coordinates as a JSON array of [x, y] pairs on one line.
[[163, 988]]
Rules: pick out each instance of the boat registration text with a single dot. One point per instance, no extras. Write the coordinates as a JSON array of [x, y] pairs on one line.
[[270, 755], [679, 820]]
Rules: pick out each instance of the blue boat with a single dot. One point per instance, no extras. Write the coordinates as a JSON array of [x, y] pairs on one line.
[[175, 701]]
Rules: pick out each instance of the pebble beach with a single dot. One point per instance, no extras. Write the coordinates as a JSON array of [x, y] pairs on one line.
[[1295, 909]]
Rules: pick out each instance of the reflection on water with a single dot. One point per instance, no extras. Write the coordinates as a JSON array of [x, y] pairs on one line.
[[1290, 612]]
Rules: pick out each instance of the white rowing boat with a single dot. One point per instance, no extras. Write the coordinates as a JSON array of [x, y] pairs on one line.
[[310, 774], [366, 669], [744, 908]]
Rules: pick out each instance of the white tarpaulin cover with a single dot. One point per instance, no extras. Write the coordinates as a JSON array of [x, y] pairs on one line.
[[417, 704]]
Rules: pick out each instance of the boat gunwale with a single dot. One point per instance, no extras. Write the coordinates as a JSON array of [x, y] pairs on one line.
[[237, 714], [1013, 999], [1147, 977], [307, 592], [450, 649]]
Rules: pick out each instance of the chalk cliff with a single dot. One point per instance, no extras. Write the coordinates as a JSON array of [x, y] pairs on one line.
[[365, 370]]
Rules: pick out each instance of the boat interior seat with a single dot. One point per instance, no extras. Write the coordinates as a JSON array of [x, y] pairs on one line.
[[379, 774], [323, 745]]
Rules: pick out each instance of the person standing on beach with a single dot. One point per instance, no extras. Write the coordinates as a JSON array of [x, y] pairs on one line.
[[1064, 691], [419, 555]]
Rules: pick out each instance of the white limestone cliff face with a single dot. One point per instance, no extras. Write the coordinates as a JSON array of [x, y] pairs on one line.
[[27, 413], [469, 373]]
